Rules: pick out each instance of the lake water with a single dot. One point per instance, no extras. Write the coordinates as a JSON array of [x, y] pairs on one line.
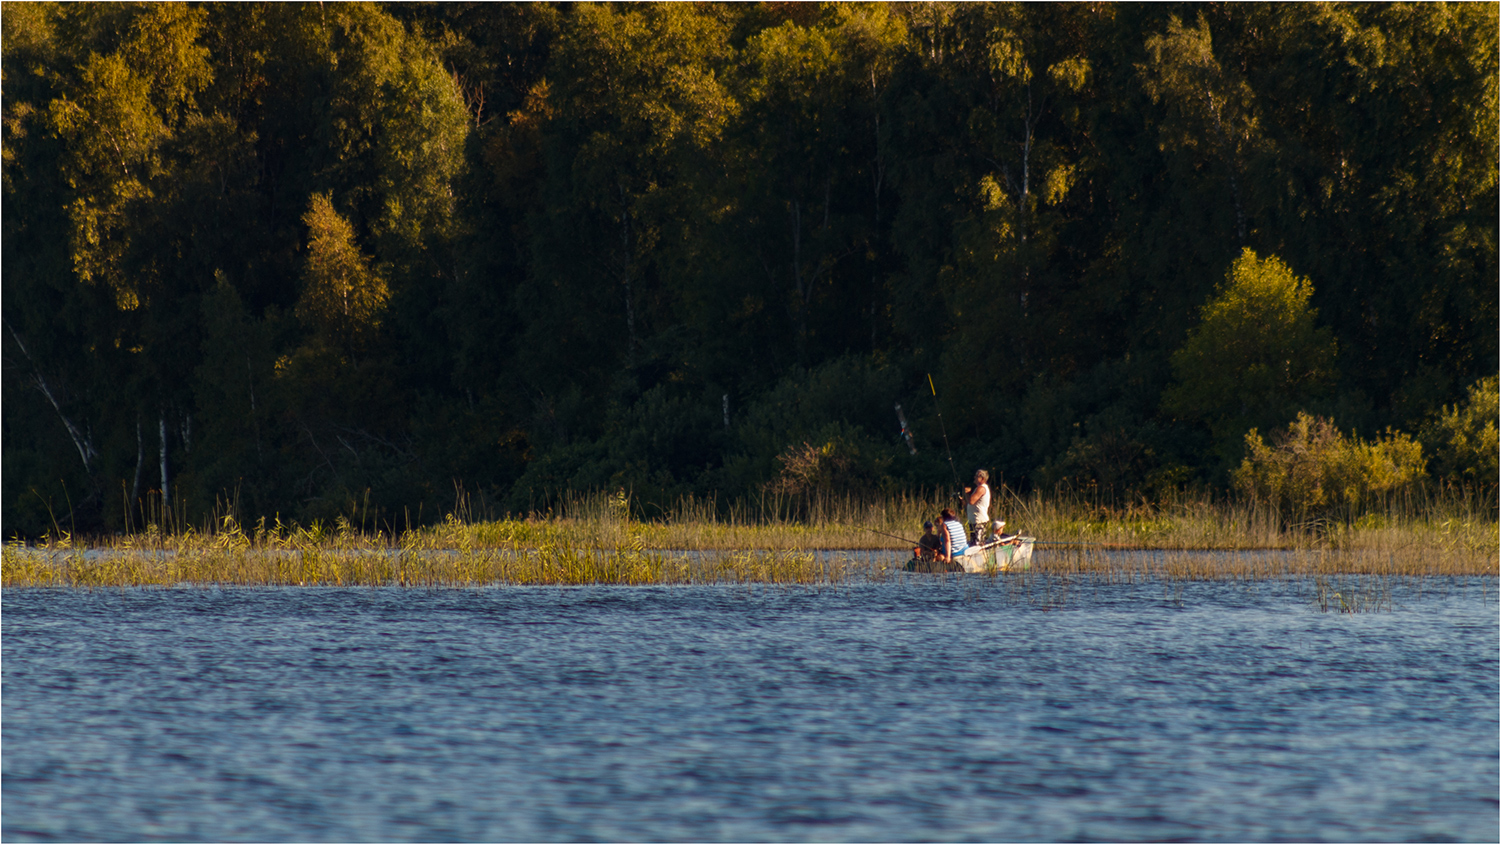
[[924, 708]]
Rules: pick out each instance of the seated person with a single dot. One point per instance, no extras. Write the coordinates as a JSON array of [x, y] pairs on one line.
[[930, 556], [929, 546], [955, 538], [995, 532]]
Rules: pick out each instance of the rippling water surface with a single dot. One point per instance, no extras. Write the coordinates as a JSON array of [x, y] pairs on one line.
[[933, 708]]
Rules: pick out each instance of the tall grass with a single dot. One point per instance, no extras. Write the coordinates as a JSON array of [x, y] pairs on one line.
[[603, 539], [1407, 519], [894, 522], [1333, 579], [770, 522], [310, 557]]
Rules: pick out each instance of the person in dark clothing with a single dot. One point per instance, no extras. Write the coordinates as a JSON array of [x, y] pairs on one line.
[[928, 557], [930, 545]]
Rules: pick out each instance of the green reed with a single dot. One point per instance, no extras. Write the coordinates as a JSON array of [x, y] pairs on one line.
[[1334, 579], [452, 555], [1258, 565], [1449, 527], [603, 539], [31, 567]]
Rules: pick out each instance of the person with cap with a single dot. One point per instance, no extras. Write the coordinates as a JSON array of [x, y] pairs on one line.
[[930, 545]]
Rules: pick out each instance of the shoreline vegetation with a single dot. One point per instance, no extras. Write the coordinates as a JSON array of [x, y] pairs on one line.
[[336, 259], [597, 539]]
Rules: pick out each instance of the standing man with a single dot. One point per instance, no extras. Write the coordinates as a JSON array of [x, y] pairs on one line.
[[977, 501]]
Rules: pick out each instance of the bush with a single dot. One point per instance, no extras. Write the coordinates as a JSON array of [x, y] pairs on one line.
[[1114, 458], [658, 448], [1314, 472], [842, 463], [1463, 440], [838, 404], [1096, 430]]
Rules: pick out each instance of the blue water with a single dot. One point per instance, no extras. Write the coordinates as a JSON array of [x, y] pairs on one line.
[[928, 708]]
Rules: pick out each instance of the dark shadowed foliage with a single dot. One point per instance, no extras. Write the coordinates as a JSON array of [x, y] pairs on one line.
[[372, 261]]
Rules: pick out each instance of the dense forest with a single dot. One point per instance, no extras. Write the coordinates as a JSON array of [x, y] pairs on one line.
[[323, 259]]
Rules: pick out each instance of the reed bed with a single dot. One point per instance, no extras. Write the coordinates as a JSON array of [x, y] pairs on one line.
[[1332, 579], [1182, 523], [519, 553], [37, 567], [417, 563], [601, 540], [892, 523], [1251, 566]]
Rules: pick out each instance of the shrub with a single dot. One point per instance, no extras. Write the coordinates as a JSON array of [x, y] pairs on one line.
[[1112, 458], [841, 463], [1313, 471], [1463, 440], [842, 400]]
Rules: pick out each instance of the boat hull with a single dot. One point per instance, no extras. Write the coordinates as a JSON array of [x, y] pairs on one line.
[[1012, 554]]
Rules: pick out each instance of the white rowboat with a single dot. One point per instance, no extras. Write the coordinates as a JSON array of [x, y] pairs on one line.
[[1008, 553], [1003, 553]]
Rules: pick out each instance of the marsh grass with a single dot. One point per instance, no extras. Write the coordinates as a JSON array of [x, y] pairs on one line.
[[1333, 579], [849, 523], [601, 540], [415, 558]]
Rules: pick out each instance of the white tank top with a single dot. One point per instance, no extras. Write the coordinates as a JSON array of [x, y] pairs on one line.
[[980, 513]]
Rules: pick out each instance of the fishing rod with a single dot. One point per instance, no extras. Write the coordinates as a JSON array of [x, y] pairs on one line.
[[944, 429], [892, 536], [1114, 546]]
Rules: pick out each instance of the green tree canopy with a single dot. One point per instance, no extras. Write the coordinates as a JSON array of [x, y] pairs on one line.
[[343, 297], [374, 253], [1257, 356]]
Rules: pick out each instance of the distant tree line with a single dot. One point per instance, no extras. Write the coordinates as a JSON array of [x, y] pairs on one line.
[[336, 259]]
